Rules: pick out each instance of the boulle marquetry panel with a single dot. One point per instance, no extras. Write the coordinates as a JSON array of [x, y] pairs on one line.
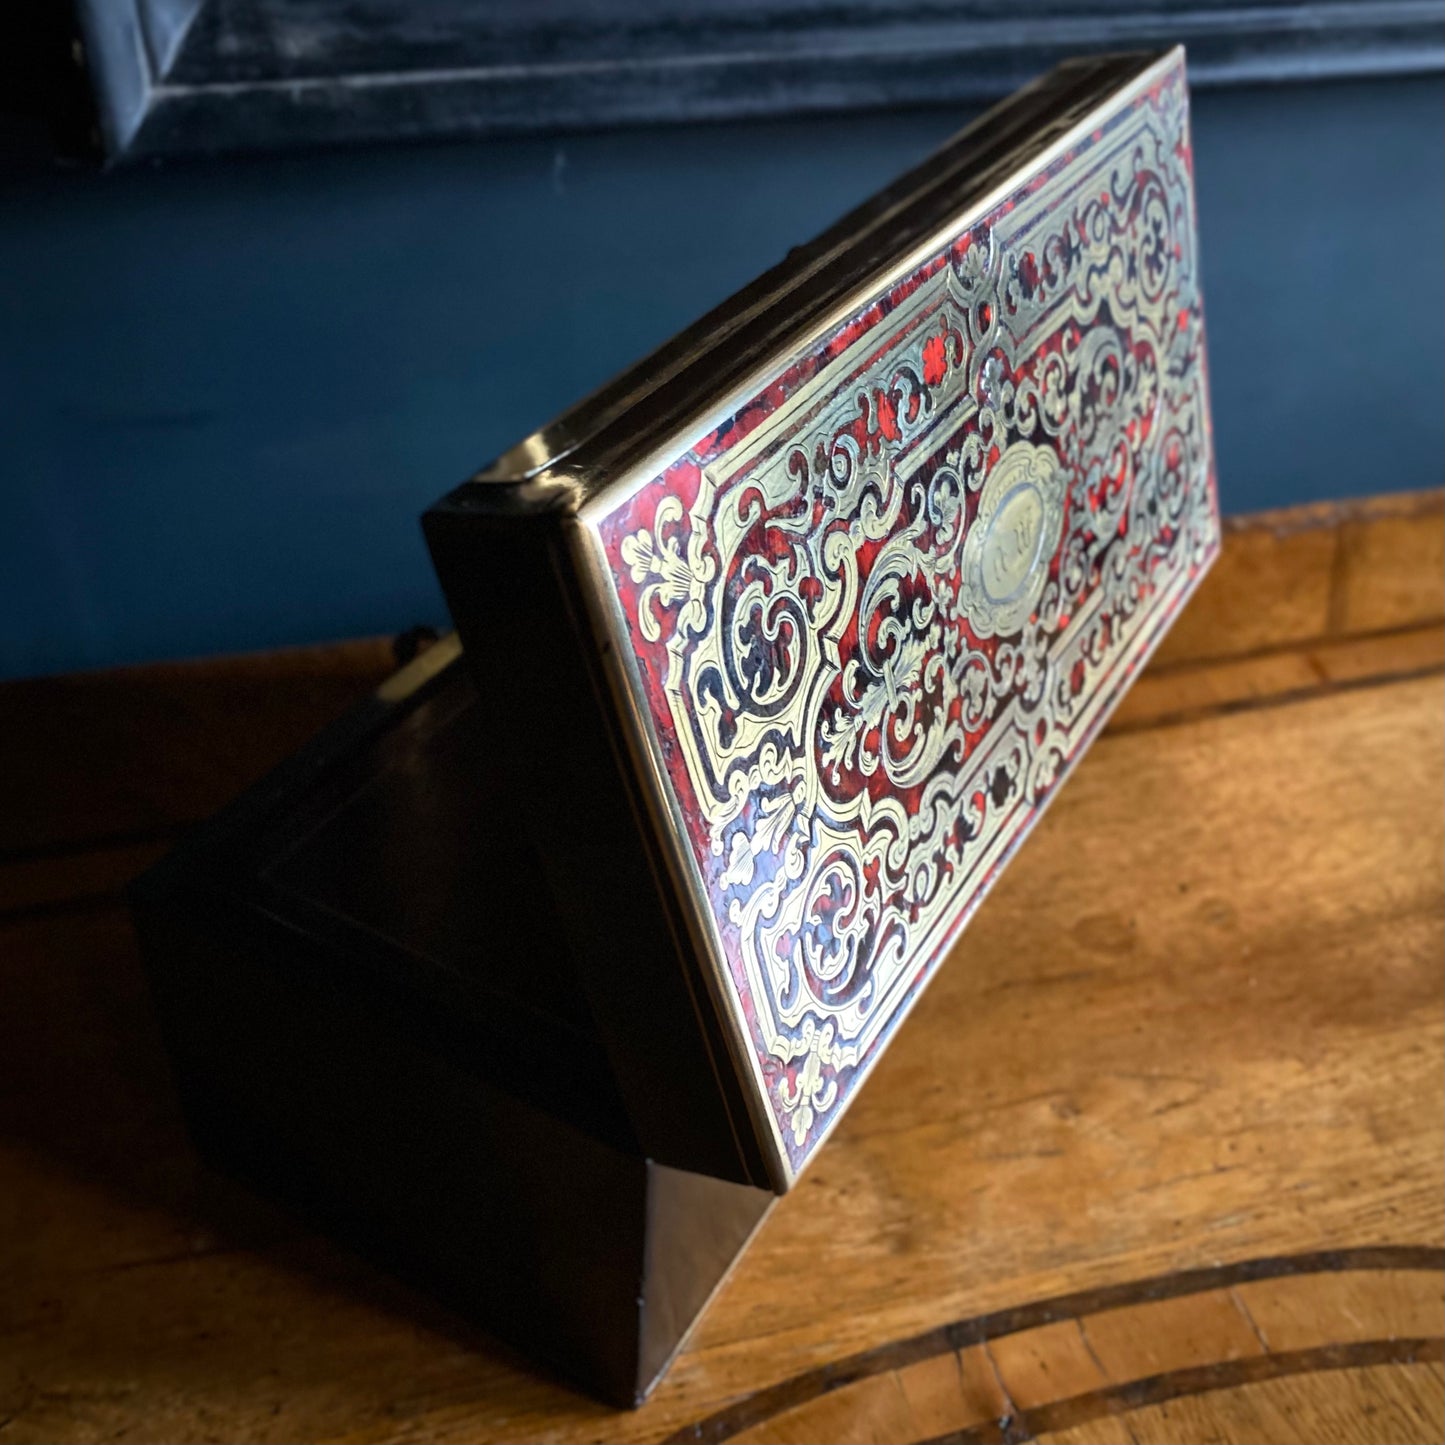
[[877, 612]]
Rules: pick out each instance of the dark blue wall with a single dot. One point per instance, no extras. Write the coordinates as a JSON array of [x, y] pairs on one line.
[[226, 391]]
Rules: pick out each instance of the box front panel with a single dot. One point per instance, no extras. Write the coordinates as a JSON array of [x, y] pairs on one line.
[[879, 611]]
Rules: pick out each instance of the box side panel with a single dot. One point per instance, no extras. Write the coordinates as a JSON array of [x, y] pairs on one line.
[[378, 846], [501, 560], [316, 1095]]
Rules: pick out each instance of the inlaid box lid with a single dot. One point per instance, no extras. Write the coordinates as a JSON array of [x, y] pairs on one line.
[[865, 559]]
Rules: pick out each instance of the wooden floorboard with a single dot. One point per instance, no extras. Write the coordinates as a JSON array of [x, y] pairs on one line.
[[1158, 1157]]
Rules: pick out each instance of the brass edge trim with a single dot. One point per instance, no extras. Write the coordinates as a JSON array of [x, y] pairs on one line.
[[420, 670]]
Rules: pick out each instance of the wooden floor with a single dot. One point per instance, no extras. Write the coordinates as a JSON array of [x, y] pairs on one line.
[[1158, 1157]]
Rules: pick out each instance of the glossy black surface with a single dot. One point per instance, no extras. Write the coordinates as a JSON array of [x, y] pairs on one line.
[[372, 1014], [410, 841]]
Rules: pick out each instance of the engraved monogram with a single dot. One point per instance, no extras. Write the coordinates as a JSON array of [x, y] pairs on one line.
[[1014, 536], [878, 613]]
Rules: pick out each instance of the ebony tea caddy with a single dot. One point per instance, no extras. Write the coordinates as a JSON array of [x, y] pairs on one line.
[[544, 971]]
